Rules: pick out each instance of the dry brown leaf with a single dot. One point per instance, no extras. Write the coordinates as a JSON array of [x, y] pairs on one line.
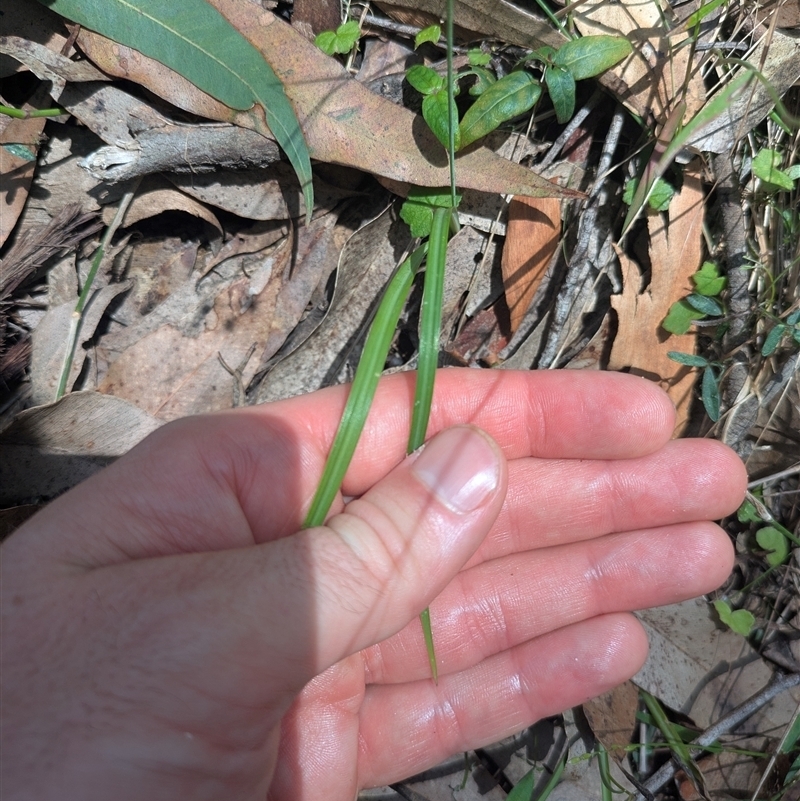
[[169, 363], [532, 236], [155, 196], [342, 121], [34, 23], [366, 263], [496, 19], [676, 253], [268, 193], [612, 717], [48, 449], [659, 73], [50, 342]]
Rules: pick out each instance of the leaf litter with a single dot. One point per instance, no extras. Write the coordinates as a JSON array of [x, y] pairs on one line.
[[217, 293]]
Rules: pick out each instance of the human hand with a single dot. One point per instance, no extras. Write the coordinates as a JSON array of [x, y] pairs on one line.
[[168, 634]]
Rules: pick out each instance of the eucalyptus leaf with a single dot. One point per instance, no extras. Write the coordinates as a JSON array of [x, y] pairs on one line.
[[561, 86], [591, 55], [512, 95], [194, 39]]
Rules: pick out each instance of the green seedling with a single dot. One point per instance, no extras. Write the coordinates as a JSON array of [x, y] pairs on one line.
[[710, 382], [659, 199], [766, 167], [430, 34], [339, 41], [741, 621], [788, 329], [700, 304]]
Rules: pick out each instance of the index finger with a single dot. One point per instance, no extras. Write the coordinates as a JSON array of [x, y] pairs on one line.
[[548, 414]]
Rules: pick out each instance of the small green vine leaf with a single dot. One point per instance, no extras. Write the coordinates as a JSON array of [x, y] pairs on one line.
[[430, 34], [773, 541], [509, 97], [741, 621], [591, 55], [561, 86]]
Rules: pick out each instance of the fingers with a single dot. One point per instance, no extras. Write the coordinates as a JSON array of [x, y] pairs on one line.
[[550, 414], [268, 618], [507, 601], [553, 502], [547, 414], [494, 699]]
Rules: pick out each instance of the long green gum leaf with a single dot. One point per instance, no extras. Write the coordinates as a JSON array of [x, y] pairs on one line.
[[429, 332], [362, 390], [194, 39]]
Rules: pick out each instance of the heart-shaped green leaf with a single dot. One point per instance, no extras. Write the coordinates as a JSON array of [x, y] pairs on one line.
[[773, 541], [741, 621]]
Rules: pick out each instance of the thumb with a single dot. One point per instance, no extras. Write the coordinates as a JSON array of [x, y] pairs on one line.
[[379, 563]]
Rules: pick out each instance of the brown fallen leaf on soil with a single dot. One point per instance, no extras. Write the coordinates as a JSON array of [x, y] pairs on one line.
[[342, 121], [676, 248], [532, 236]]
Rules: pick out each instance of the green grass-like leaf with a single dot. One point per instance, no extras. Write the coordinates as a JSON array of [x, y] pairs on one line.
[[362, 391], [194, 39]]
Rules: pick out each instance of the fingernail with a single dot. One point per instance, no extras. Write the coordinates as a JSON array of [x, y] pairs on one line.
[[460, 467]]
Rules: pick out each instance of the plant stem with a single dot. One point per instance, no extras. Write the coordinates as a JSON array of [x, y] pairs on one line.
[[83, 299], [21, 114]]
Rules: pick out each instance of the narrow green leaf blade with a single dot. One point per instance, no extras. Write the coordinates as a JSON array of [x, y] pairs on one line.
[[689, 359], [711, 393], [370, 366], [561, 86], [505, 99], [194, 39], [591, 55]]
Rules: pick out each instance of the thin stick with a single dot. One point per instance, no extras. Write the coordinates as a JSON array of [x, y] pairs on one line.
[[77, 315]]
